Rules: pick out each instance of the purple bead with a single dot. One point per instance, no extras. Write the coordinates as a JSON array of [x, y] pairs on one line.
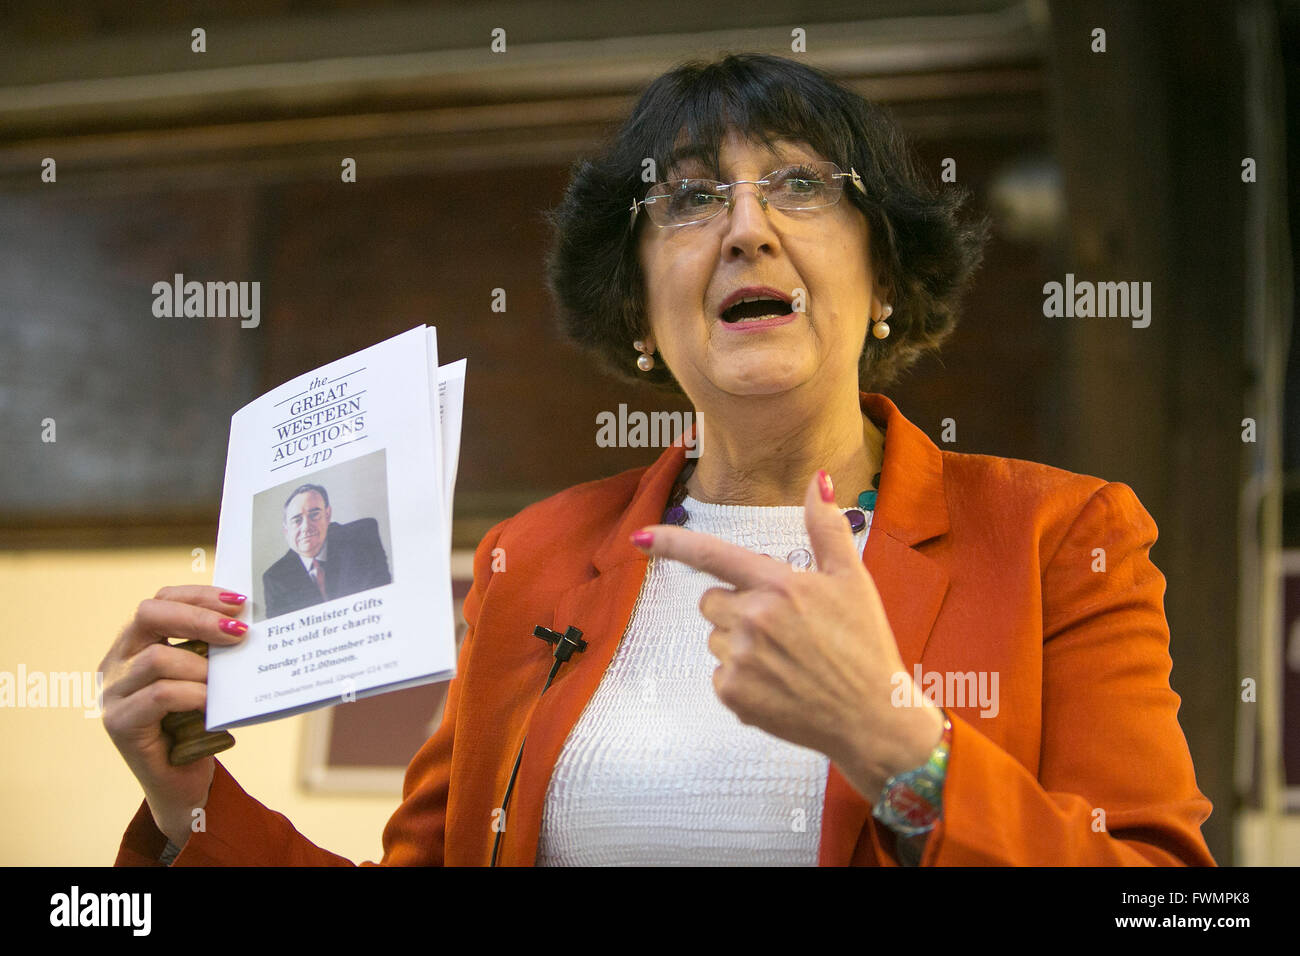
[[800, 559], [857, 520], [675, 515]]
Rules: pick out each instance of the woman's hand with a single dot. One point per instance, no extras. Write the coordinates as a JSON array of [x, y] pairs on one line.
[[145, 679], [809, 657]]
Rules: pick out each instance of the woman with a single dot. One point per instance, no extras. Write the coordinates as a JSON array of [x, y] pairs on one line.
[[944, 678]]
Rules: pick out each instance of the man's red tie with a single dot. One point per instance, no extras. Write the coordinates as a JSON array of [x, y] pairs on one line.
[[318, 573]]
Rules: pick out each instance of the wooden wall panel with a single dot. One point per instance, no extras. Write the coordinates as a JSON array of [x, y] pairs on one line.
[[140, 404]]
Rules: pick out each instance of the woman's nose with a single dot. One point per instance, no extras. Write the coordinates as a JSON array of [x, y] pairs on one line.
[[747, 189], [749, 227]]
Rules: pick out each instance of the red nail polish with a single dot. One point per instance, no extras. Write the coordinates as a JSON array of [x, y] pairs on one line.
[[643, 539], [824, 484], [230, 597], [234, 627]]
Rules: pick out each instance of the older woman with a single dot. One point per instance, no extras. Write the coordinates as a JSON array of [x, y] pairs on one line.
[[943, 678]]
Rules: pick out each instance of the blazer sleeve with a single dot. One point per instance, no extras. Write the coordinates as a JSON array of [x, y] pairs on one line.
[[240, 831], [372, 561], [1115, 783]]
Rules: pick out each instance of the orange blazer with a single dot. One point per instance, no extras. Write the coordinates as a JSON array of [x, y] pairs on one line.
[[983, 564]]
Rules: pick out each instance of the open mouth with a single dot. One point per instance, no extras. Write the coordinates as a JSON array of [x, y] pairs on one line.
[[755, 309]]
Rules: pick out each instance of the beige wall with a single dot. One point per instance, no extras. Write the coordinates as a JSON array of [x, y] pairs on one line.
[[65, 794]]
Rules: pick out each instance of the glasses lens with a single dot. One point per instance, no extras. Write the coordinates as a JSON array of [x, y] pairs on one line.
[[805, 186], [686, 200]]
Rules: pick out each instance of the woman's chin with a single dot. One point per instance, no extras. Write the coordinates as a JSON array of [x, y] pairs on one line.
[[769, 381]]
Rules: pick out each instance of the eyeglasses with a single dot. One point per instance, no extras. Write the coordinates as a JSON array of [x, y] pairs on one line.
[[802, 186]]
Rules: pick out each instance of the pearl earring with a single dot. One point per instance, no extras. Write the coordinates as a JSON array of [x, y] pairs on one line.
[[645, 361], [880, 328]]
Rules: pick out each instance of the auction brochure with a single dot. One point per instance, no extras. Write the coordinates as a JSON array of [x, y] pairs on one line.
[[336, 522]]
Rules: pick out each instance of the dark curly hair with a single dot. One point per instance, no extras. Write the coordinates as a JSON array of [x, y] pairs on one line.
[[924, 253]]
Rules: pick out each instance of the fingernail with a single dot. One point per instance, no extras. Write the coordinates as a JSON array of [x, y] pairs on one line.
[[643, 539], [230, 597], [234, 627], [824, 484]]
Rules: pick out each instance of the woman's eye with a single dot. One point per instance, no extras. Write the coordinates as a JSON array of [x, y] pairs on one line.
[[690, 195], [800, 180]]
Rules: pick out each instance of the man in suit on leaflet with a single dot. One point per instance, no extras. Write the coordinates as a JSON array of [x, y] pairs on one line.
[[325, 559]]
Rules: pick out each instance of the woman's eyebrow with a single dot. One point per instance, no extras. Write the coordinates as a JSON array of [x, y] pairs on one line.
[[693, 161], [689, 151], [688, 159], [794, 154]]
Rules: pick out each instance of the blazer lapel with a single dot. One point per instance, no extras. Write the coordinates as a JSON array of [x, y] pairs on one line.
[[911, 509], [601, 608]]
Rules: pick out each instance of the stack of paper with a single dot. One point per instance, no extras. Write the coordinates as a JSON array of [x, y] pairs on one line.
[[336, 521]]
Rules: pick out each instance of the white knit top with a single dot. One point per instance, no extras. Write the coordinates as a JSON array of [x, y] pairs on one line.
[[657, 770]]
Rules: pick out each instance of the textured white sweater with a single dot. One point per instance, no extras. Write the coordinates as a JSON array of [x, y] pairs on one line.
[[657, 770]]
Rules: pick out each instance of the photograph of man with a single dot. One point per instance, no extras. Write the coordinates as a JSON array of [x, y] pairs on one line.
[[325, 559]]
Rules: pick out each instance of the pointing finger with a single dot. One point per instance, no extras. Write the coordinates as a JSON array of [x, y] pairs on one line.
[[722, 559], [829, 532]]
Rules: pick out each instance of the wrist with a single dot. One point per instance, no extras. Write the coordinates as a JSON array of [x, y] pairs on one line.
[[911, 802], [917, 740], [177, 821], [872, 759], [174, 828]]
